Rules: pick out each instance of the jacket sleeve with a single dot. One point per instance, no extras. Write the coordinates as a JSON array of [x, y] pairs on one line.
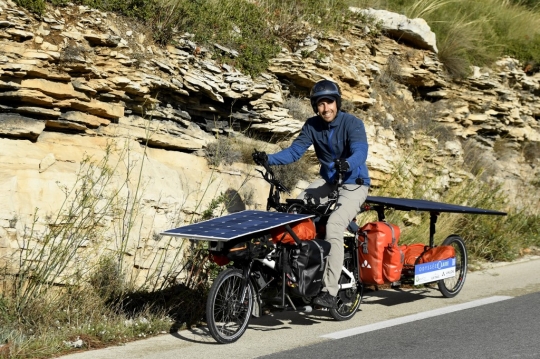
[[358, 144], [294, 151]]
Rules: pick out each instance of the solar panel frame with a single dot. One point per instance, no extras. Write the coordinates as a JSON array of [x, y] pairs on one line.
[[407, 204], [235, 225]]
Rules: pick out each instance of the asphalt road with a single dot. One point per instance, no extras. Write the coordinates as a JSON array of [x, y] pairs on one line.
[[494, 316], [504, 329]]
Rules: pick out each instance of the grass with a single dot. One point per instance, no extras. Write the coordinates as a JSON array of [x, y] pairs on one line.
[[59, 295], [478, 32], [227, 150], [468, 32], [255, 29], [48, 308], [488, 237], [60, 299], [45, 308], [299, 109]]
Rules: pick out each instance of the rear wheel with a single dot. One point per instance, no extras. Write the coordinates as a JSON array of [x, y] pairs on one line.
[[450, 287], [229, 308], [348, 300]]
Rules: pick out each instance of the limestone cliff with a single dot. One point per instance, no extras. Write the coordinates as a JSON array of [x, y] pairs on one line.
[[80, 83]]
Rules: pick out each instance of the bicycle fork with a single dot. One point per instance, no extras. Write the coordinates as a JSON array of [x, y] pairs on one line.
[[246, 272]]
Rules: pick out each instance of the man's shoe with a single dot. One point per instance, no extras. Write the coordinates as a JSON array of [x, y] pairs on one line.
[[326, 300]]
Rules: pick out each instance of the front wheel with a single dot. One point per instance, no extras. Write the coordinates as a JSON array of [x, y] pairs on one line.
[[450, 287], [348, 300], [229, 306]]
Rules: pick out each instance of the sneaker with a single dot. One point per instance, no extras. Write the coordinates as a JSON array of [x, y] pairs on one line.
[[326, 300]]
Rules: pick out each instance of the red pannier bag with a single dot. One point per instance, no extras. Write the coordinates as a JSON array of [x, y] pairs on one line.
[[304, 230], [436, 254], [380, 257], [412, 252], [393, 258]]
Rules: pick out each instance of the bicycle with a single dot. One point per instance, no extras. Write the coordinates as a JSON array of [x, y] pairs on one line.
[[258, 277]]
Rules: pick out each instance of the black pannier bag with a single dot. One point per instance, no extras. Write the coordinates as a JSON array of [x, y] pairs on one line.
[[304, 266]]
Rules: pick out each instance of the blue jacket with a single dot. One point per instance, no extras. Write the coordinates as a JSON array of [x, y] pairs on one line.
[[344, 137]]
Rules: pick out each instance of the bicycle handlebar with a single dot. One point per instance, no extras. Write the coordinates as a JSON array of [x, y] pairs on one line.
[[261, 159]]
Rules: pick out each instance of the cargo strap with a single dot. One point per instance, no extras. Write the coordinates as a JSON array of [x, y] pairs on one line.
[[322, 255]]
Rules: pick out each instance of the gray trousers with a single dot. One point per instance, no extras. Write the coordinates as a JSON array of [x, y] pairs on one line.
[[351, 197]]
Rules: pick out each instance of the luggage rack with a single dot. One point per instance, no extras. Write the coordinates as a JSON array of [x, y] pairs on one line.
[[380, 204]]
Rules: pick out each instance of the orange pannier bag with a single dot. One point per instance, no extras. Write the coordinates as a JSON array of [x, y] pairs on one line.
[[412, 252], [304, 230], [436, 254], [381, 259]]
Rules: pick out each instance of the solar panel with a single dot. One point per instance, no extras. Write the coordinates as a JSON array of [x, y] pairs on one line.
[[406, 204], [235, 225]]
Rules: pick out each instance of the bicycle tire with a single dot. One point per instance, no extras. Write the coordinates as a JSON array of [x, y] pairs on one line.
[[227, 319], [348, 300], [450, 287]]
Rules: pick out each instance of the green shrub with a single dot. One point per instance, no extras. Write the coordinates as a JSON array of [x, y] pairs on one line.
[[475, 32], [488, 237], [107, 279], [235, 24]]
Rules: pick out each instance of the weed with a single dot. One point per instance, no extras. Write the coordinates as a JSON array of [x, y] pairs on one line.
[[290, 174], [491, 238], [347, 106], [477, 161], [502, 147], [531, 151], [222, 151], [389, 76], [299, 109], [106, 278], [536, 181], [73, 52]]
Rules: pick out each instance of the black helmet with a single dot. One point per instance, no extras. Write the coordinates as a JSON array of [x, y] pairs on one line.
[[322, 89]]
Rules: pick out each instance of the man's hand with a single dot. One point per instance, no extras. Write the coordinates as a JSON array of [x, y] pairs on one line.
[[341, 165], [260, 158]]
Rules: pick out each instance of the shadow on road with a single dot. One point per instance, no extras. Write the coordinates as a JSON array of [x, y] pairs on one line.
[[285, 320], [391, 297]]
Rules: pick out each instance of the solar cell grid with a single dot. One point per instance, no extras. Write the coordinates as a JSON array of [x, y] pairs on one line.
[[235, 225]]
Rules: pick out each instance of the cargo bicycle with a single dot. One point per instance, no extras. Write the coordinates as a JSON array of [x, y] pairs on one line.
[[263, 271]]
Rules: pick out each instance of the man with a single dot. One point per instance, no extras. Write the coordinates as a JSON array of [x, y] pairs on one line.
[[340, 143]]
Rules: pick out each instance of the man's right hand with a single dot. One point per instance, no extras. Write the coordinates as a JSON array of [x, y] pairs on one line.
[[341, 165], [260, 158]]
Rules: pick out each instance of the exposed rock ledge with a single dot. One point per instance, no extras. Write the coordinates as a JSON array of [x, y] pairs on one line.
[[74, 88]]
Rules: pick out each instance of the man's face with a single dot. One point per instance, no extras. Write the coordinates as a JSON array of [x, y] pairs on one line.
[[327, 109]]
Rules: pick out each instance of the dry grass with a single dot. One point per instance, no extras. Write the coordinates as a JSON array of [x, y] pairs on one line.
[[491, 238], [299, 109]]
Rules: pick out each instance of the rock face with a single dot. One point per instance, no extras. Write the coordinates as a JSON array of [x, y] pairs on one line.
[[416, 31], [78, 86]]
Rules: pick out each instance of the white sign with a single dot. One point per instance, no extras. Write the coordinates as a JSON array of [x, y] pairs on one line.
[[434, 271]]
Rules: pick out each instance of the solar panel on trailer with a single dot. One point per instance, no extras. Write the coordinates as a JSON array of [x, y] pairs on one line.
[[235, 225], [406, 204]]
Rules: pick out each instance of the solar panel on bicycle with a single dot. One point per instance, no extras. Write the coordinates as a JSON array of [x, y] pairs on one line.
[[235, 225]]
